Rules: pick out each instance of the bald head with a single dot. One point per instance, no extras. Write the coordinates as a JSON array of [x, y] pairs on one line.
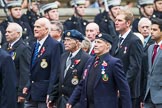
[[92, 29], [42, 28]]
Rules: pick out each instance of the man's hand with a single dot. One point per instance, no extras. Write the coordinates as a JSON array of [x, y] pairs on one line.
[[50, 105], [141, 105], [25, 90], [20, 99], [68, 105]]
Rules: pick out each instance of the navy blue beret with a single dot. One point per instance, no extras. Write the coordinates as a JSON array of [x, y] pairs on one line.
[[105, 37], [75, 34]]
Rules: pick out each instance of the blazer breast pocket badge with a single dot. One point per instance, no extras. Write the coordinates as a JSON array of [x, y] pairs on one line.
[[44, 63]]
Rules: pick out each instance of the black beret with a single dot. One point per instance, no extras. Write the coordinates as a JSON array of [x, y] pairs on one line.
[[105, 37], [73, 34]]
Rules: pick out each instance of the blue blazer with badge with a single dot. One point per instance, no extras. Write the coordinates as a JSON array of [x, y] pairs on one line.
[[105, 92], [45, 70], [8, 79]]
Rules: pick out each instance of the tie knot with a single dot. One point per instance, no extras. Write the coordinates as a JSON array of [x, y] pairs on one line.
[[38, 44], [70, 55], [9, 46], [156, 46], [121, 39]]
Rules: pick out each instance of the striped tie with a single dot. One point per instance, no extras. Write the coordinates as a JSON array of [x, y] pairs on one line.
[[35, 52]]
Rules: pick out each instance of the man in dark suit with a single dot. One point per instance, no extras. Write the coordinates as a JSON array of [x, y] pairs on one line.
[[44, 66], [70, 74], [144, 27], [103, 77], [21, 55], [129, 49], [7, 81], [153, 94]]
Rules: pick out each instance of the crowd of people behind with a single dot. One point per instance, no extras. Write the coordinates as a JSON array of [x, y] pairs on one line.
[[114, 61]]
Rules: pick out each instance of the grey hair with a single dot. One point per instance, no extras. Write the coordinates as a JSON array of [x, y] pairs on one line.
[[16, 27], [142, 20], [58, 25]]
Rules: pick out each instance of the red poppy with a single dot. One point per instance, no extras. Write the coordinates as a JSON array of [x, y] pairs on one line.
[[104, 63], [161, 46], [42, 51], [76, 61]]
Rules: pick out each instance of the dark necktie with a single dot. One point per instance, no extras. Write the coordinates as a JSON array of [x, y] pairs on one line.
[[9, 47], [154, 53], [36, 51], [119, 43]]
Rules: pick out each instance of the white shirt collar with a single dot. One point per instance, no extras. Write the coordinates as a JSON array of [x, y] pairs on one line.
[[14, 42], [75, 53], [42, 42], [159, 43], [125, 34], [59, 40], [92, 46]]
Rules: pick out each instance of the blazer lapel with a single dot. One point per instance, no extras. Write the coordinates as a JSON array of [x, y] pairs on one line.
[[156, 57], [73, 64], [124, 46], [150, 41], [150, 52], [98, 70]]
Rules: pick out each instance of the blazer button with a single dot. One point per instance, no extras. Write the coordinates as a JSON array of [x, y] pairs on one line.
[[32, 81], [62, 95], [85, 99], [62, 86]]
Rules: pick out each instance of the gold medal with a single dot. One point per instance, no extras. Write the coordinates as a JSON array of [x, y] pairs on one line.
[[75, 80], [105, 77], [44, 63]]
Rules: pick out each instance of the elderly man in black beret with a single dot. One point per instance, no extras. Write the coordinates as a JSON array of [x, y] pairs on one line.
[[72, 64], [102, 78]]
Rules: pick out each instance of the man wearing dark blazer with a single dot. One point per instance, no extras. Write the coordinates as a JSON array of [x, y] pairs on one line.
[[102, 78], [7, 81], [153, 94], [21, 55], [44, 68], [144, 27], [129, 49], [70, 75]]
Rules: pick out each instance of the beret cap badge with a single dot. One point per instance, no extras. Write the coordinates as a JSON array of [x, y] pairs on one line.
[[68, 34], [100, 35]]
